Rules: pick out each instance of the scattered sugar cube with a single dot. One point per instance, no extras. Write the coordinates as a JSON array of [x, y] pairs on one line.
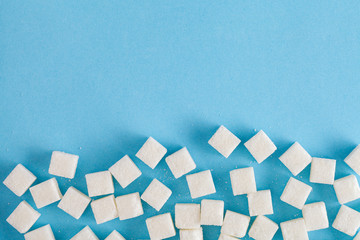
[[295, 158], [151, 152], [156, 194], [99, 183], [160, 226], [322, 170], [243, 181], [180, 162], [263, 228], [63, 164], [353, 160], [23, 217], [129, 206], [46, 193], [187, 215], [347, 189], [19, 180], [115, 235], [42, 233], [191, 234], [226, 237], [224, 141], [295, 193], [260, 146], [347, 220], [104, 209], [85, 234], [294, 229], [235, 224], [260, 203], [200, 184], [74, 202], [315, 216], [212, 212], [125, 171]]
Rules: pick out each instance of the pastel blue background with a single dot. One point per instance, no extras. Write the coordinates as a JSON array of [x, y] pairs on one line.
[[97, 78]]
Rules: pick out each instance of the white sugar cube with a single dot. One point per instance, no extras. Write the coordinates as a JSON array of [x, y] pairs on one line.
[[235, 224], [99, 183], [295, 158], [63, 164], [347, 220], [263, 228], [129, 206], [23, 217], [19, 180], [347, 189], [125, 171], [46, 193], [115, 235], [180, 162], [260, 146], [151, 152], [200, 184], [353, 160], [212, 212], [74, 202], [104, 209], [160, 226], [224, 141], [187, 215], [226, 237], [315, 216], [243, 181], [42, 233], [294, 229], [295, 193], [322, 170], [85, 234], [191, 234], [156, 194], [260, 203]]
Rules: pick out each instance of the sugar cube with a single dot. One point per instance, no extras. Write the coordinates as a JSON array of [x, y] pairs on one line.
[[160, 226], [347, 189], [294, 229], [104, 209], [156, 194], [46, 193], [19, 180], [226, 237], [353, 160], [260, 203], [74, 202], [129, 206], [347, 220], [263, 228], [200, 184], [187, 215], [99, 183], [151, 152], [212, 212], [224, 141], [260, 146], [63, 164], [315, 216], [295, 158], [42, 233], [125, 171], [85, 234], [191, 234], [235, 224], [295, 193], [23, 217], [322, 170], [180, 162], [243, 181], [115, 235]]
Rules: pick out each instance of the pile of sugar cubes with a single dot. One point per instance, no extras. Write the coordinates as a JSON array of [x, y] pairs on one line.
[[190, 217]]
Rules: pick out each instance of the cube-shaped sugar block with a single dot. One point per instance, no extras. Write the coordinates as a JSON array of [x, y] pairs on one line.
[[243, 181], [74, 202], [353, 160], [42, 233], [156, 194], [46, 193], [322, 170], [63, 164], [260, 203], [115, 235], [295, 158], [260, 146], [294, 229], [224, 141], [125, 171], [315, 216], [212, 212], [85, 234], [191, 234], [200, 184], [263, 228], [129, 206], [226, 237], [347, 220], [19, 180], [235, 224], [187, 215], [151, 152], [160, 226], [180, 162], [347, 189], [99, 183], [104, 209], [23, 217], [295, 193]]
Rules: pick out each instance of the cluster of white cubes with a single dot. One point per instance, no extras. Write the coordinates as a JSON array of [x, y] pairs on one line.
[[347, 189], [296, 158], [260, 146], [200, 184], [151, 152], [85, 234], [224, 141], [180, 162], [19, 180], [156, 194], [295, 193]]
